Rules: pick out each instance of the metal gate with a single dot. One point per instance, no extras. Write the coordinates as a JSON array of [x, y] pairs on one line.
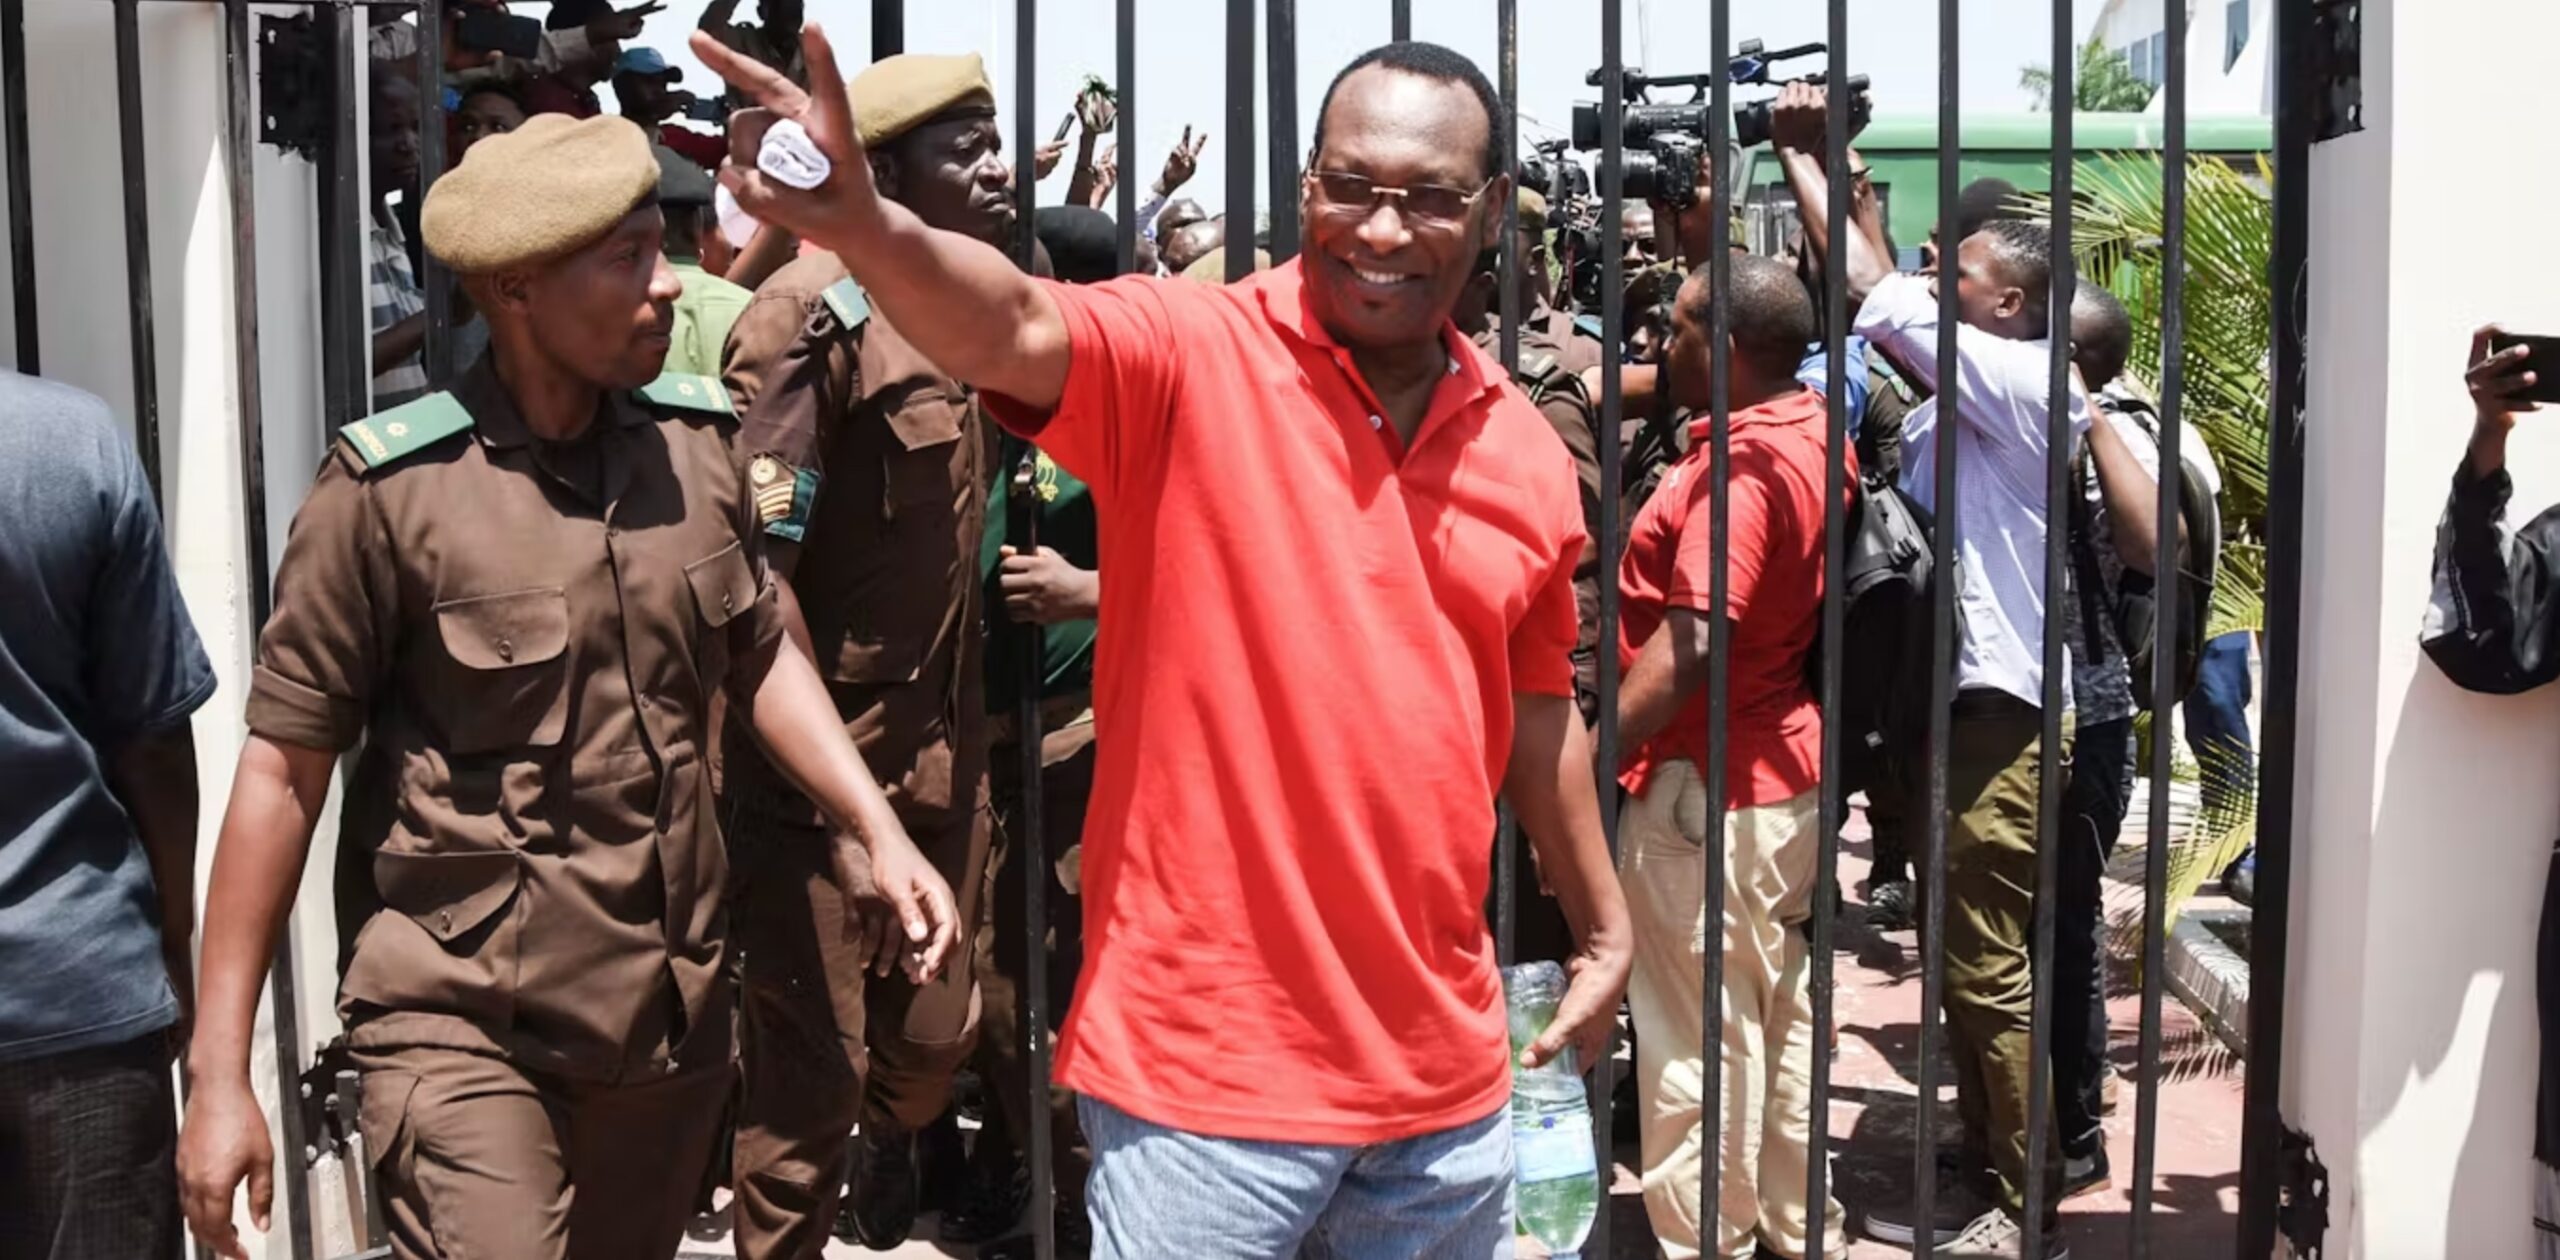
[[317, 39]]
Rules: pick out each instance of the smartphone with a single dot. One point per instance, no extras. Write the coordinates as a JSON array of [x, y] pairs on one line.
[[2542, 356], [1065, 125], [710, 109], [495, 30]]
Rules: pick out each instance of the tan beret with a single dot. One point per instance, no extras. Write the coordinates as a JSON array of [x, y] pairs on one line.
[[894, 95], [547, 188], [1533, 210]]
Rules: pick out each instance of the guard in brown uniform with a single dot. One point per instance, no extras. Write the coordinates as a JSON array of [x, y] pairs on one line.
[[522, 597], [870, 470], [1549, 372]]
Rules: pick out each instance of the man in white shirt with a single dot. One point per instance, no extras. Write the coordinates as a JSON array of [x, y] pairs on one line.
[[2000, 425]]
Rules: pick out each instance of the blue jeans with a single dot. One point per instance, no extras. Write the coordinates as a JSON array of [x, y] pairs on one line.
[[2217, 713], [1158, 1192]]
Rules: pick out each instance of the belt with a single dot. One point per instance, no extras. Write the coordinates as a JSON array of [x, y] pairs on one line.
[[1055, 712]]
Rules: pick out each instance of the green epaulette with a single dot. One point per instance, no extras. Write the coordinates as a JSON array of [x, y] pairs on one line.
[[850, 304], [387, 437], [688, 392]]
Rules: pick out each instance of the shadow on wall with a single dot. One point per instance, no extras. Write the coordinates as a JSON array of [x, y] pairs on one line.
[[2450, 956]]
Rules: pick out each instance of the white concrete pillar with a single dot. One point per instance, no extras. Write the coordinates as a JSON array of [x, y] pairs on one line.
[[2426, 815]]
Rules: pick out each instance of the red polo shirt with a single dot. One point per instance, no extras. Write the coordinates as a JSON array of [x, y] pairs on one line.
[[1309, 642], [1773, 729]]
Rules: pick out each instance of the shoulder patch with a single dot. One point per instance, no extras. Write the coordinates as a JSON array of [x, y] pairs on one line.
[[851, 305], [387, 437], [687, 392]]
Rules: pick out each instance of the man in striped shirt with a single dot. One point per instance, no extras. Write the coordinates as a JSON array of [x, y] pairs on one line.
[[398, 305]]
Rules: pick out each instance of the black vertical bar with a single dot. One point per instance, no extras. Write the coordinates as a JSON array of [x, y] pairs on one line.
[[1942, 652], [2262, 1121], [22, 223], [1400, 21], [1714, 873], [137, 240], [1613, 296], [1125, 37], [2050, 765], [345, 323], [2155, 858], [239, 149], [1281, 77], [437, 353], [1031, 845], [1240, 68], [1835, 535], [889, 36], [1506, 834]]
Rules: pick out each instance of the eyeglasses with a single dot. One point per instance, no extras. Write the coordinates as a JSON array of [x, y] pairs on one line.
[[1345, 195]]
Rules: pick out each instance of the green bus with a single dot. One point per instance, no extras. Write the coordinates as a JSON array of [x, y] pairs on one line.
[[1903, 152]]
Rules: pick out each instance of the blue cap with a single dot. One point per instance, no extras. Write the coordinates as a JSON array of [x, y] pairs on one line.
[[646, 61]]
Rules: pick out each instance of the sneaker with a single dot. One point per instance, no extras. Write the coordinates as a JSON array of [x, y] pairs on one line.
[[880, 1196], [2084, 1174], [1889, 906], [1960, 1204], [1995, 1235], [990, 1202]]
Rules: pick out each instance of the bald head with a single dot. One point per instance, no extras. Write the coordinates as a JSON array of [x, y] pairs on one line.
[[2101, 335]]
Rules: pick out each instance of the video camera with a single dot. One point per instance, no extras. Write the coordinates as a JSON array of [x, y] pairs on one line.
[[1666, 144]]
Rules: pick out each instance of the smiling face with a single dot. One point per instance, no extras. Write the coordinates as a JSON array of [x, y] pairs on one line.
[[603, 313], [951, 172], [1385, 272]]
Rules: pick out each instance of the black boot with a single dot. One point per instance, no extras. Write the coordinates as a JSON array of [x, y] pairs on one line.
[[880, 1195]]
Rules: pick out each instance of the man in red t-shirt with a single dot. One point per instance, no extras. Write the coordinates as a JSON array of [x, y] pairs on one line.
[[1768, 819], [1339, 622]]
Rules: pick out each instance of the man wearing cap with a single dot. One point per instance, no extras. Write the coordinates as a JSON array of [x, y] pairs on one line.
[[644, 85], [870, 469], [1315, 503], [522, 598], [709, 305]]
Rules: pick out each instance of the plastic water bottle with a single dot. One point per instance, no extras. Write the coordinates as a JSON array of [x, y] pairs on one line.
[[1557, 1168]]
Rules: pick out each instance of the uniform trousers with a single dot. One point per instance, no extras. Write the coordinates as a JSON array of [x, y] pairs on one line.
[[1766, 1053], [1066, 783], [481, 1157], [822, 1047]]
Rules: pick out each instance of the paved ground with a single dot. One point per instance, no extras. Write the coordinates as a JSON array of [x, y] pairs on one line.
[[1874, 1103]]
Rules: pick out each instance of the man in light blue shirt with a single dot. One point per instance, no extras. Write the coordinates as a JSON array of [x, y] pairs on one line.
[[99, 670]]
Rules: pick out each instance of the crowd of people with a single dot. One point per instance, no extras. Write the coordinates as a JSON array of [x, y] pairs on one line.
[[669, 651]]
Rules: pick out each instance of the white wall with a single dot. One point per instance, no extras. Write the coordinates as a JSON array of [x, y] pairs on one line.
[[2426, 814]]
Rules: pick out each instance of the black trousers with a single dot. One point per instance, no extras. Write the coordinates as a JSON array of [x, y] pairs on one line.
[[2093, 808], [88, 1154]]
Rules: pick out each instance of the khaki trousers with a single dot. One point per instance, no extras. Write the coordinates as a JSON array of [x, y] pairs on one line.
[[1767, 1049]]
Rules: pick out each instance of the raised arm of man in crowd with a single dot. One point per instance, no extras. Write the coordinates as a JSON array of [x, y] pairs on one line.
[[2493, 620], [961, 302], [1798, 128]]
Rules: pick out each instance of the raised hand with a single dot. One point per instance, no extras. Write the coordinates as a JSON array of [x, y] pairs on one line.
[[1182, 163], [843, 202], [1045, 158]]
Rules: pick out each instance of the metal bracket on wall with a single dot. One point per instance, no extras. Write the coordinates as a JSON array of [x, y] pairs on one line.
[[293, 85], [2337, 69], [2302, 1187]]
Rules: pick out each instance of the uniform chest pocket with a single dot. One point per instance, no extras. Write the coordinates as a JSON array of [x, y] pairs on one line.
[[922, 466], [508, 684], [724, 587]]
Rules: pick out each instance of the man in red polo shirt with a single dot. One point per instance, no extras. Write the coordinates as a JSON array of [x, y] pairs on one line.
[[1339, 621], [1772, 775]]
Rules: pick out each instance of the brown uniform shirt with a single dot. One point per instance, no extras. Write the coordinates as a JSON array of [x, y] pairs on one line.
[[531, 664], [1550, 371], [876, 464]]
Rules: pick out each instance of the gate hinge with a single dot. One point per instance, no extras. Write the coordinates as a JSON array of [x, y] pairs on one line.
[[2337, 68], [293, 85], [2302, 1190]]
